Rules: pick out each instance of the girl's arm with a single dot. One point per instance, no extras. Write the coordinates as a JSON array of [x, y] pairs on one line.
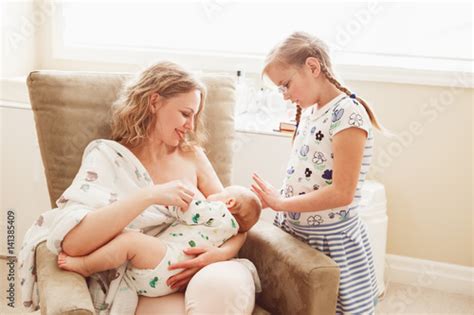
[[348, 147]]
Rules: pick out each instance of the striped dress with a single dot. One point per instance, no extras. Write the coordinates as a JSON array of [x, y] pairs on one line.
[[338, 232]]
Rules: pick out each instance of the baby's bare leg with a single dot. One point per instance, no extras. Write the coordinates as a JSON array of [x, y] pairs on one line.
[[143, 252]]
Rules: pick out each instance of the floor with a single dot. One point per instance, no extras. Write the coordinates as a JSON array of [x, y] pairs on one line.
[[399, 299], [406, 299]]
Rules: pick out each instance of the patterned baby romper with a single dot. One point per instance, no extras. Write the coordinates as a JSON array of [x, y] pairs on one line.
[[205, 223], [339, 232]]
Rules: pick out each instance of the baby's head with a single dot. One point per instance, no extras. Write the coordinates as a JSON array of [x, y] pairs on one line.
[[242, 203]]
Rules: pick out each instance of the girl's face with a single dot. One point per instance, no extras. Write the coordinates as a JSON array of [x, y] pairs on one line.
[[297, 84], [175, 116]]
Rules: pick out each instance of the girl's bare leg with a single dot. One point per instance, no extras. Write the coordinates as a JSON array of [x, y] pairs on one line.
[[143, 252]]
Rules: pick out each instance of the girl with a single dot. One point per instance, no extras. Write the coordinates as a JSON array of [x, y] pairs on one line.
[[331, 154]]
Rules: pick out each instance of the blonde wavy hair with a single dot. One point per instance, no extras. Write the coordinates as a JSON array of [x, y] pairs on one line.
[[299, 46], [132, 118]]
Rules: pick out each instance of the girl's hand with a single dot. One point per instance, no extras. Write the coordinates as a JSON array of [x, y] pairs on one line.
[[268, 195], [174, 193], [204, 257]]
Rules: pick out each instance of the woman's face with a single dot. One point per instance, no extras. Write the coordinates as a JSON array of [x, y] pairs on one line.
[[296, 84], [175, 116]]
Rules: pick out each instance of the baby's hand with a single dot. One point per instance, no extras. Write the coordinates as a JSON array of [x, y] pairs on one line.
[[191, 204]]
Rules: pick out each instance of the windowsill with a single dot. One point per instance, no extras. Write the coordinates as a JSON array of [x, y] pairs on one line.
[[14, 105], [404, 62], [264, 132], [405, 69], [261, 122], [349, 66], [389, 69], [14, 90]]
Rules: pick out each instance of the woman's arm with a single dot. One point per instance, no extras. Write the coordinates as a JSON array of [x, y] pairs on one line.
[[348, 148], [205, 256], [101, 225], [232, 246]]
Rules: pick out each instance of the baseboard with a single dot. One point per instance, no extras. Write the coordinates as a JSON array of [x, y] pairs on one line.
[[430, 274]]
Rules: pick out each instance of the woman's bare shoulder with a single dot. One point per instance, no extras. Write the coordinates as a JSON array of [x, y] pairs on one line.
[[197, 155]]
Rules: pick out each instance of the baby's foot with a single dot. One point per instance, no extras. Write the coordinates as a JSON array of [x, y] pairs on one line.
[[75, 264]]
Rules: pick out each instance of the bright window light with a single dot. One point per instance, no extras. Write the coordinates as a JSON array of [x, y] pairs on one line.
[[435, 30]]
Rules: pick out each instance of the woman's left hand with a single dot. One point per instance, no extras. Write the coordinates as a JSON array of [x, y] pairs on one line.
[[268, 195], [204, 257]]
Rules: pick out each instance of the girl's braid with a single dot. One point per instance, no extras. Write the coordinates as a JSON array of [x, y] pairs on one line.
[[297, 118]]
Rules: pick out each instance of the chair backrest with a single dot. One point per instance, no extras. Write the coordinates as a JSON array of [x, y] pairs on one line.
[[73, 108]]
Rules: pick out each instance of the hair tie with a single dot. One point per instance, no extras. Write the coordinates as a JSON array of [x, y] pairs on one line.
[[353, 95]]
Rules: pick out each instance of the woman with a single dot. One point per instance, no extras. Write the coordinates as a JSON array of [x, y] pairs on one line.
[[157, 135]]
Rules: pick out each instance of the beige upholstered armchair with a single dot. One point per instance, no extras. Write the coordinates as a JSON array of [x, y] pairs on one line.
[[72, 108]]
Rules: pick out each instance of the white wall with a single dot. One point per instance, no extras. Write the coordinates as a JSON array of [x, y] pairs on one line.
[[19, 28], [427, 171], [23, 184]]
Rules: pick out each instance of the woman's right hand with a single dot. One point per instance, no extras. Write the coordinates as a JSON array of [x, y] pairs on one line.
[[174, 193]]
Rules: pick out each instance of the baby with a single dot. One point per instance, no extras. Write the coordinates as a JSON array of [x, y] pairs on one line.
[[206, 223]]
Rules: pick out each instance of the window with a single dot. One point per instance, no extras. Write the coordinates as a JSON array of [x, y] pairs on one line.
[[245, 29], [230, 36]]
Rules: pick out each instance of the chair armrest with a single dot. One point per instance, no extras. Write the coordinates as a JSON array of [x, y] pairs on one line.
[[296, 279], [61, 292]]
